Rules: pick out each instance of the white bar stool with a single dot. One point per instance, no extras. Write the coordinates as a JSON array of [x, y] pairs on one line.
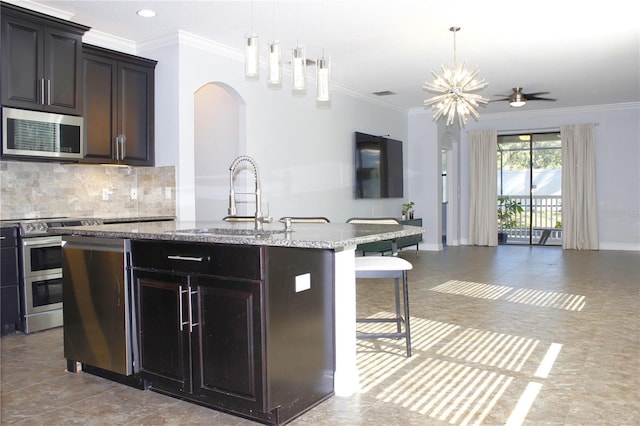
[[388, 267]]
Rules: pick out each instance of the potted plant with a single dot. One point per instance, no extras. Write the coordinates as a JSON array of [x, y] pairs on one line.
[[407, 210], [508, 209]]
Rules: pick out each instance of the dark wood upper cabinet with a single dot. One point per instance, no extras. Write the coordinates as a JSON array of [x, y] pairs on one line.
[[41, 62], [118, 107]]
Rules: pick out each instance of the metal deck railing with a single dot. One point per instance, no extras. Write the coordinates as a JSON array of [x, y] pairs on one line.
[[542, 217]]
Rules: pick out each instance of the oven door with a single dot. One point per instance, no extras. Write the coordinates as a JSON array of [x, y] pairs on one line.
[[42, 255], [43, 293]]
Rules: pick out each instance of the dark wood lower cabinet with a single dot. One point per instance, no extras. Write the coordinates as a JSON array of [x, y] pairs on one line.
[[232, 328], [228, 362], [164, 343]]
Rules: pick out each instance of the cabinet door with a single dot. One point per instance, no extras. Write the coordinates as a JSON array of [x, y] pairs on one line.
[[164, 331], [22, 66], [228, 341], [62, 72], [100, 101], [136, 113]]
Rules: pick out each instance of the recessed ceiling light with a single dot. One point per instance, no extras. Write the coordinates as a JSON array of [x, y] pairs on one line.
[[146, 13]]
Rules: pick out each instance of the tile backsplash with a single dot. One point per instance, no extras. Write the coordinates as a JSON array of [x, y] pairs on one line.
[[40, 189]]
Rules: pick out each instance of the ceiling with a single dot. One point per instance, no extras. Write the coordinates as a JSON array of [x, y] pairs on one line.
[[583, 55]]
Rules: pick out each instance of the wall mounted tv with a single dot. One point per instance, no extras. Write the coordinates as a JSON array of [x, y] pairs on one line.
[[379, 167]]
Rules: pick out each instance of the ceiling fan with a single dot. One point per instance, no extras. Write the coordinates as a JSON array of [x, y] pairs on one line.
[[518, 99]]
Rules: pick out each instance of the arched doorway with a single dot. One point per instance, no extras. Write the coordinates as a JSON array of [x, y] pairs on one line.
[[219, 137]]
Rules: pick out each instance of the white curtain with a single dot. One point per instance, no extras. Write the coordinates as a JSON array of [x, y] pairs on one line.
[[483, 222], [579, 206]]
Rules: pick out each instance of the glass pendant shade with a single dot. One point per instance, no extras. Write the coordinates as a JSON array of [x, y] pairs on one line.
[[251, 57], [274, 64], [298, 68], [323, 75]]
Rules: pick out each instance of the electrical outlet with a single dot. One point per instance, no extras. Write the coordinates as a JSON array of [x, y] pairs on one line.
[[303, 282], [106, 194], [134, 193], [167, 192]]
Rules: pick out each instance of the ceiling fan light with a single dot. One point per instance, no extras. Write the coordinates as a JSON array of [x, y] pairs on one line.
[[517, 99]]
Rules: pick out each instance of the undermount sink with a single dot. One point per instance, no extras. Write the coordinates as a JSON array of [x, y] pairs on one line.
[[245, 232]]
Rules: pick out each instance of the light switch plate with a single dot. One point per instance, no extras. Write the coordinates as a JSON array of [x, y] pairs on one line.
[[303, 282]]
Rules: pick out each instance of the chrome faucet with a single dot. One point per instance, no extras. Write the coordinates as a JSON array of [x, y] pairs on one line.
[[259, 219]]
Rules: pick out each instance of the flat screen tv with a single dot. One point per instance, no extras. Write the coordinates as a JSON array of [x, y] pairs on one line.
[[379, 167]]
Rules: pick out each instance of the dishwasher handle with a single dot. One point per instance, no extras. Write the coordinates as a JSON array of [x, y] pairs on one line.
[[186, 258]]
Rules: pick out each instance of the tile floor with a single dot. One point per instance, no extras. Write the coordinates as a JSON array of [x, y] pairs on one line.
[[506, 335]]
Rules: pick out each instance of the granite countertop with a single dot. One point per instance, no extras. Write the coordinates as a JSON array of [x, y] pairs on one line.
[[335, 236]]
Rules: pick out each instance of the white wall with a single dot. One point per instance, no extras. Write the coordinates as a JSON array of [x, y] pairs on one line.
[[305, 153], [617, 163]]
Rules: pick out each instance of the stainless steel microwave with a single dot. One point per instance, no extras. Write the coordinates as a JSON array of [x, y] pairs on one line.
[[41, 134]]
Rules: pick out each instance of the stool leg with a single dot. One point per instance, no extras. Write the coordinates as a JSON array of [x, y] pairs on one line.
[[398, 314], [407, 326]]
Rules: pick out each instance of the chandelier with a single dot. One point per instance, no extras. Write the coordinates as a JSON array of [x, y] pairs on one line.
[[455, 87]]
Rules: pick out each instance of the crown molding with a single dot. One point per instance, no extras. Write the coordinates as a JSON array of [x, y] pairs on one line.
[[38, 7], [624, 106], [108, 41]]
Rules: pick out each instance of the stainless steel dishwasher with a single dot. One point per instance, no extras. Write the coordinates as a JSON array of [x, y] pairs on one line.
[[97, 299]]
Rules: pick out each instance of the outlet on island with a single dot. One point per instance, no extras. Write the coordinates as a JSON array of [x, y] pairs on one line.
[[134, 193]]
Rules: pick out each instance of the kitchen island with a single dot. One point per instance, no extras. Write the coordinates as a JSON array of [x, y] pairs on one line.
[[292, 293]]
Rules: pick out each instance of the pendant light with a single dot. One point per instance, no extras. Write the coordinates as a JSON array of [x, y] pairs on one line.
[[298, 69], [323, 69], [274, 57], [252, 54], [322, 80], [455, 86], [298, 63], [251, 58]]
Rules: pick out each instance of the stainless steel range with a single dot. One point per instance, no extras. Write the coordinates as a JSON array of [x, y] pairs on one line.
[[41, 260]]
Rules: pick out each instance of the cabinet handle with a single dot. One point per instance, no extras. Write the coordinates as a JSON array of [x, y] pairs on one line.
[[123, 149], [182, 323], [190, 259], [191, 323], [42, 97], [48, 92]]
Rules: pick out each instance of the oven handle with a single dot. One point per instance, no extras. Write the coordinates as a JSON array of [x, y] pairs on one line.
[[42, 241]]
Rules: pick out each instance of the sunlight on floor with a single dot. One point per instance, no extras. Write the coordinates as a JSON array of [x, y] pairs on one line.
[[546, 299], [457, 374]]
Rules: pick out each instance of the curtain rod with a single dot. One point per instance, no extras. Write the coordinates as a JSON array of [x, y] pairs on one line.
[[541, 129]]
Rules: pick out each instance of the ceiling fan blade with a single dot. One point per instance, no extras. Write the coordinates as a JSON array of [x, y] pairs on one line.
[[528, 95], [536, 98]]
